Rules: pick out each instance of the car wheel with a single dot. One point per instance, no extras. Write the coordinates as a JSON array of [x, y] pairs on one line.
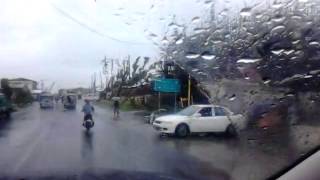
[[182, 130], [231, 131]]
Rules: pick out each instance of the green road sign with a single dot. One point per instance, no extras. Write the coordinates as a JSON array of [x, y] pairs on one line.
[[167, 85]]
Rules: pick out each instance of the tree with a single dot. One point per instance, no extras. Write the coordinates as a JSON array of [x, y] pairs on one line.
[[7, 91]]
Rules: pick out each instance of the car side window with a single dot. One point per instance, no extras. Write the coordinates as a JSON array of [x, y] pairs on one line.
[[219, 111], [206, 112]]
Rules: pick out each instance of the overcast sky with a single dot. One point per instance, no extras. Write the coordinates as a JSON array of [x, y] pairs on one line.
[[63, 41]]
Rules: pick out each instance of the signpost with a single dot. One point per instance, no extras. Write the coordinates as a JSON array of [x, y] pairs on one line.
[[169, 86]]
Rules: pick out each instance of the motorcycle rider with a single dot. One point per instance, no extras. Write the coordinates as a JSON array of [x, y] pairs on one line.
[[87, 109]]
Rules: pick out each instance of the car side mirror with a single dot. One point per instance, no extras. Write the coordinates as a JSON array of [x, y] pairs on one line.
[[197, 115]]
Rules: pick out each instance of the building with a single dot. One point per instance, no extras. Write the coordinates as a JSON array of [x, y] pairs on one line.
[[20, 83]]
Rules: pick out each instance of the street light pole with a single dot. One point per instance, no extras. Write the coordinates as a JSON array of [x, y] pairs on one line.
[[189, 89]]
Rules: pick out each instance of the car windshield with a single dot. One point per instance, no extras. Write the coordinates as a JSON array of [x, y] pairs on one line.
[[188, 111], [113, 67]]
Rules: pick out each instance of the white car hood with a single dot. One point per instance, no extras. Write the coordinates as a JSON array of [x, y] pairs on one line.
[[171, 118]]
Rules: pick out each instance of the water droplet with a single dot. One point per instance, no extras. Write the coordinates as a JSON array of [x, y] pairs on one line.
[[179, 41], [277, 52], [266, 80], [208, 1], [207, 56], [216, 42], [278, 18], [195, 19], [314, 72], [278, 29], [232, 98], [153, 35], [314, 43], [277, 5], [245, 12], [192, 55], [288, 52], [164, 40], [307, 76], [258, 16], [296, 17], [199, 30], [248, 60]]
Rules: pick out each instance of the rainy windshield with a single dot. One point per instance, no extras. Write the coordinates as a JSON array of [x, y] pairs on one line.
[[111, 69], [188, 111]]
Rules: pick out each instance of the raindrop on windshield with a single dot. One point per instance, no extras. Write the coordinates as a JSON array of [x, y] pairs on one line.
[[296, 17], [277, 4], [278, 29], [232, 98], [179, 41], [248, 60], [165, 40], [277, 52], [245, 12], [314, 43], [192, 55], [207, 56], [195, 19], [153, 35], [278, 18]]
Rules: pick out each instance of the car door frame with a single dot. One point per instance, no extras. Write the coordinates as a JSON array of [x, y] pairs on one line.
[[201, 124], [221, 122]]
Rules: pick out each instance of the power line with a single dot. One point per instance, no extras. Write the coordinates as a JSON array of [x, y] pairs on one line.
[[67, 15]]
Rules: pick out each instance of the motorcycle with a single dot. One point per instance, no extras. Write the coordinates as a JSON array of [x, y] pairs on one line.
[[88, 123]]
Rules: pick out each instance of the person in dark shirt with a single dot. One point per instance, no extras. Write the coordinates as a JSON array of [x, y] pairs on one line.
[[116, 107]]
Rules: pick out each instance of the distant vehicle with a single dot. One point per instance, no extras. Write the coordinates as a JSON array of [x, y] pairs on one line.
[[46, 101], [5, 107], [70, 101], [200, 119]]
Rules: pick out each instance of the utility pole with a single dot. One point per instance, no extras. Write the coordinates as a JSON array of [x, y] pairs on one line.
[[189, 90]]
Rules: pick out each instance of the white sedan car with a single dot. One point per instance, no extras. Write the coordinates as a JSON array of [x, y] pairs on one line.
[[200, 119]]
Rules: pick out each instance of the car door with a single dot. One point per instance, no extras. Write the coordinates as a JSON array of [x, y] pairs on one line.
[[200, 124], [221, 120]]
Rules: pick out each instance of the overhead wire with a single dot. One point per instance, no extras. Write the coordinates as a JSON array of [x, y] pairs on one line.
[[93, 30]]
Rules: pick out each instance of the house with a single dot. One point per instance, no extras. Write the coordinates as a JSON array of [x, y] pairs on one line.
[[21, 83]]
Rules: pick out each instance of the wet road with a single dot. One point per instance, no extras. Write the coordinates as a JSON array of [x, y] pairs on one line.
[[52, 144], [41, 143]]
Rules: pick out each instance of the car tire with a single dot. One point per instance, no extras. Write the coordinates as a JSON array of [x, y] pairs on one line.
[[182, 130], [231, 131]]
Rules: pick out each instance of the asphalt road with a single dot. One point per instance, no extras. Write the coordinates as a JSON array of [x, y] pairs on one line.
[[52, 144]]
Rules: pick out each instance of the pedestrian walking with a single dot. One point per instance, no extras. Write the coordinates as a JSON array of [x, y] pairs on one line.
[[116, 107]]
